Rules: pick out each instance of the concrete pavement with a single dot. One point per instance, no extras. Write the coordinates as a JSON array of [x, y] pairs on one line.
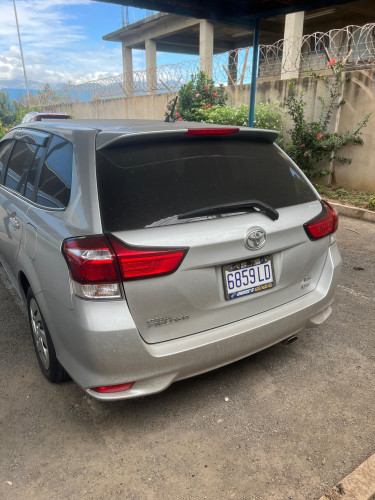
[[287, 423]]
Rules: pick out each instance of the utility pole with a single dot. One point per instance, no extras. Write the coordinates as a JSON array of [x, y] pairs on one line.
[[23, 62]]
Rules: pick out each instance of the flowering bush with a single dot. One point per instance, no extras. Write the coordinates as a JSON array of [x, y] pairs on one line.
[[311, 142], [199, 93]]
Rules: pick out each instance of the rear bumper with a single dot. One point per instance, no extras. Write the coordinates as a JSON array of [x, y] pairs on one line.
[[99, 344]]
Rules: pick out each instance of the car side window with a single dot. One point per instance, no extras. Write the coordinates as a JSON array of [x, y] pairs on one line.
[[56, 175], [18, 166], [5, 148], [32, 174]]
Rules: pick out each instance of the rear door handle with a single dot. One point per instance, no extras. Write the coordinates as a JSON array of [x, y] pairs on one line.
[[14, 223]]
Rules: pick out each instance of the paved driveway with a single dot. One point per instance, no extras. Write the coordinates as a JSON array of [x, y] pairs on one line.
[[296, 421]]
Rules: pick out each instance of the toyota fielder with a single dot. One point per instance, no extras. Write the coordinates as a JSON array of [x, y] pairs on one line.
[[148, 252]]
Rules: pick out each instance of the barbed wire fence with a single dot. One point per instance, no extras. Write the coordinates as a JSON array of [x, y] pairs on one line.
[[355, 45]]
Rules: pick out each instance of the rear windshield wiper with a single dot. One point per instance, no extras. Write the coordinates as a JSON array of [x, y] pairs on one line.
[[226, 208]]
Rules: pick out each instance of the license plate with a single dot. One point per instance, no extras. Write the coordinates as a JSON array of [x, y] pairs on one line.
[[247, 277]]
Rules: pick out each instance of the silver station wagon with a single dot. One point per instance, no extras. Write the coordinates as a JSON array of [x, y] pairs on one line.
[[148, 252]]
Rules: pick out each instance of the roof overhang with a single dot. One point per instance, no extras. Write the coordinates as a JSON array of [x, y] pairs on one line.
[[240, 12]]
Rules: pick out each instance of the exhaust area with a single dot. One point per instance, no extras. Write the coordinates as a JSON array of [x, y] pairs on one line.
[[290, 340]]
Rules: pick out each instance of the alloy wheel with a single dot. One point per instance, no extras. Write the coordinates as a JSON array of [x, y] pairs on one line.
[[39, 333]]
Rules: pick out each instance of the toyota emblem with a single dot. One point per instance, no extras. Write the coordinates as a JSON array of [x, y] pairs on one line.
[[256, 238]]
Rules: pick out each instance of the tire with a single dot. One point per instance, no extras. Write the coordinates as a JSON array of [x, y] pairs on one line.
[[44, 348]]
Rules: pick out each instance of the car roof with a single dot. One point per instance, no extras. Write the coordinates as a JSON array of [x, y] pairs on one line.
[[110, 130], [122, 126]]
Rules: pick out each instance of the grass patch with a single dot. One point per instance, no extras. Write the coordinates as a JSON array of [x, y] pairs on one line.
[[346, 196]]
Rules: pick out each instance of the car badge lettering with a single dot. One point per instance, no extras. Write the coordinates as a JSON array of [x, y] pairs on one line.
[[255, 239], [166, 320]]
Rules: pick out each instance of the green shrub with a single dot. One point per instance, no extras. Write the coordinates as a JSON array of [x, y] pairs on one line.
[[266, 116], [371, 203]]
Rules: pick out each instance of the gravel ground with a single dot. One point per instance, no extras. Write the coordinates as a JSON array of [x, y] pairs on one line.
[[297, 419]]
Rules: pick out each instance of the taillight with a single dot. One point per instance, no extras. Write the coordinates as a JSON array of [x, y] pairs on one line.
[[138, 262], [98, 264], [324, 224], [198, 132], [93, 267]]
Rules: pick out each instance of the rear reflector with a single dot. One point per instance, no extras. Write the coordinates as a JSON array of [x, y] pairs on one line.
[[198, 132], [324, 224], [113, 388], [143, 262]]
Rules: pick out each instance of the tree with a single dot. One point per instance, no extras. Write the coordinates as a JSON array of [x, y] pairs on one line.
[[8, 109]]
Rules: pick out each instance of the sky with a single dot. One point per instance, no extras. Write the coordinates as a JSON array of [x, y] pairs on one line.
[[62, 42]]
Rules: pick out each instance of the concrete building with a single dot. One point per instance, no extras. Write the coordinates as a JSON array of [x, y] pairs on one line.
[[179, 34]]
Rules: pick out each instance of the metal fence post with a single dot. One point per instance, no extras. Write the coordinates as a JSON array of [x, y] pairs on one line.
[[254, 72]]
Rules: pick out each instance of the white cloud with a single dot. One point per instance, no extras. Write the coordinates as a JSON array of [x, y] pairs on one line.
[[57, 49]]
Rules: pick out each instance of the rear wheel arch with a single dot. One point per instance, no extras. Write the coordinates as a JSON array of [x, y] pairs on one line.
[[43, 344], [24, 284]]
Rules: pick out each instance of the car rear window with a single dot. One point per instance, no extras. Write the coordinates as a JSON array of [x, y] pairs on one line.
[[150, 184]]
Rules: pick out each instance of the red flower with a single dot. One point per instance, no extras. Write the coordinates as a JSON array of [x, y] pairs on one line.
[[196, 95], [302, 145], [331, 62], [177, 114], [185, 84], [208, 105], [180, 119], [215, 95], [319, 135], [6, 130], [166, 105], [205, 88]]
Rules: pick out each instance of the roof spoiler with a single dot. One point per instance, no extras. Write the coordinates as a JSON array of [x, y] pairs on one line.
[[108, 140]]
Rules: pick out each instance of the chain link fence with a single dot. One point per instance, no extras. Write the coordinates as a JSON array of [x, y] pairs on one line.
[[354, 45]]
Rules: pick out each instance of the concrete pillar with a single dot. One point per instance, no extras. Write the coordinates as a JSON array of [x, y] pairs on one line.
[[127, 65], [151, 72], [293, 32], [206, 46], [232, 67]]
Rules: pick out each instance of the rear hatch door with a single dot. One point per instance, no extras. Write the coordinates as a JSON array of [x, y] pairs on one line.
[[226, 275]]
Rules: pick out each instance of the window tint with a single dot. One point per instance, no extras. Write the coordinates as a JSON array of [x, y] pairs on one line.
[[150, 185], [30, 181], [56, 175], [4, 151], [19, 162]]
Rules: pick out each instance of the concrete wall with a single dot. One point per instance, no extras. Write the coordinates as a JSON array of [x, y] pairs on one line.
[[359, 95], [144, 106]]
